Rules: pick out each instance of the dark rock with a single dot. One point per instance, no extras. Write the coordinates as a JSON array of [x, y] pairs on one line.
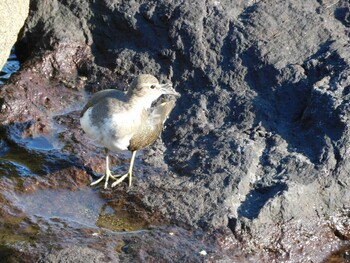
[[75, 254], [257, 147]]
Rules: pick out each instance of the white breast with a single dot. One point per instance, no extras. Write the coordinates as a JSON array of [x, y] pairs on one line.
[[91, 130], [116, 131]]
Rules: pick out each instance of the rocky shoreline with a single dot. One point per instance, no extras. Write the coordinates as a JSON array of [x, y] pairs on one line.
[[253, 165]]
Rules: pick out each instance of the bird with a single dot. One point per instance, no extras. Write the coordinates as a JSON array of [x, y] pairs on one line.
[[131, 120]]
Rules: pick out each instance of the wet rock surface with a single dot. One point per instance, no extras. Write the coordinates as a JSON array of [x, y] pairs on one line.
[[252, 166]]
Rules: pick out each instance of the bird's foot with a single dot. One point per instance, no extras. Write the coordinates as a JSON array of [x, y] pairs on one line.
[[106, 176], [122, 178]]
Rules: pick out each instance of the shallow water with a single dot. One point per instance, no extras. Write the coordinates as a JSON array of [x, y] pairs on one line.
[[18, 161], [72, 207], [38, 143], [12, 65], [81, 208]]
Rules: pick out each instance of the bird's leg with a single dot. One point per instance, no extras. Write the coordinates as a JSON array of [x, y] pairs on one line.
[[107, 174], [131, 166], [129, 173]]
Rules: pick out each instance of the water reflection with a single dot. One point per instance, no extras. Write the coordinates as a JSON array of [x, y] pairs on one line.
[[80, 207], [12, 65], [38, 143], [83, 208]]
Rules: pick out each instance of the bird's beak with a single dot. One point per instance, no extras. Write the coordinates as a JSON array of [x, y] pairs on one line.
[[168, 89]]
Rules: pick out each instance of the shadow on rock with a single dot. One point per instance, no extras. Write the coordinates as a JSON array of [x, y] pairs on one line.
[[294, 103], [257, 198]]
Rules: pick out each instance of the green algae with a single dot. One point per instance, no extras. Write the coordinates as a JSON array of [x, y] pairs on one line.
[[119, 220], [119, 247], [14, 229]]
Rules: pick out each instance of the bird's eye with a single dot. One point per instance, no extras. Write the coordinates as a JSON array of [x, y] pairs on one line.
[[153, 86]]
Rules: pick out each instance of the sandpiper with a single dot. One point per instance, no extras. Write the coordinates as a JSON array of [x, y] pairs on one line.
[[122, 121]]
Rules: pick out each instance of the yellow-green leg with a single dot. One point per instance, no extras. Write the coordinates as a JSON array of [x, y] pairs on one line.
[[106, 176], [129, 173]]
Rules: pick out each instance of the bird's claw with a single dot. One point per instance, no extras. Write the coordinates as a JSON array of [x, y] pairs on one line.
[[122, 177]]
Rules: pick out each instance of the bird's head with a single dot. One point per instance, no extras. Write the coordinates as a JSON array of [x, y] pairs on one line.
[[147, 89]]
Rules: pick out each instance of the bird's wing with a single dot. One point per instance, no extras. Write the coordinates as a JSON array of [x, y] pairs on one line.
[[152, 125], [100, 95]]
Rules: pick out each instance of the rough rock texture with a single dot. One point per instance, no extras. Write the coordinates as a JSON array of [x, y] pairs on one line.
[[12, 17], [75, 254], [258, 145]]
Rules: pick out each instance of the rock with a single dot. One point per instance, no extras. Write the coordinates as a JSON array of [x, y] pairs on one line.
[[257, 147], [75, 254], [12, 17]]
